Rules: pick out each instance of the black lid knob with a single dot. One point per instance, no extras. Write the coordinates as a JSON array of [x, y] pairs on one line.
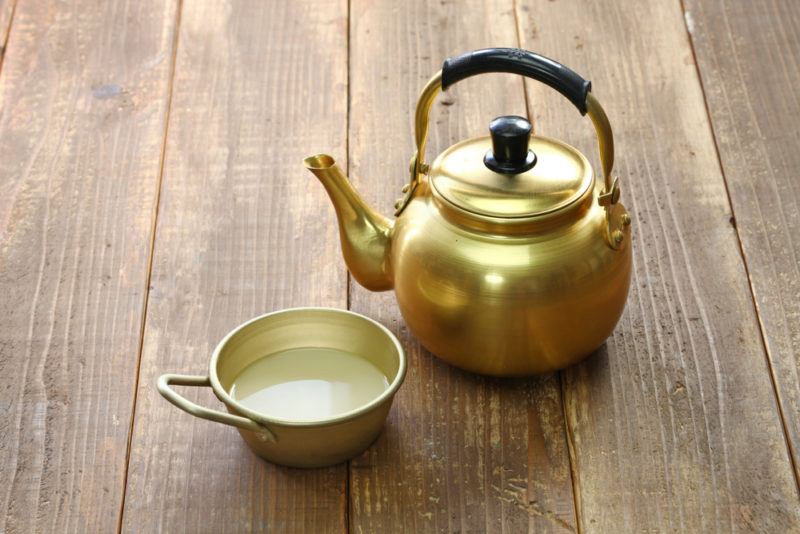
[[510, 154]]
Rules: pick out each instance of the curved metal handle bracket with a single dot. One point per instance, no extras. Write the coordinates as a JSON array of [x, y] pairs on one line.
[[164, 383], [616, 216], [417, 166], [605, 142]]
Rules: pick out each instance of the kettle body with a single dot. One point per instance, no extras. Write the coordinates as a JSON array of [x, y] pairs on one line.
[[507, 256], [507, 305]]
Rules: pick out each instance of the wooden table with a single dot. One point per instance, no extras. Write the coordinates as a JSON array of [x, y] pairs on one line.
[[152, 197]]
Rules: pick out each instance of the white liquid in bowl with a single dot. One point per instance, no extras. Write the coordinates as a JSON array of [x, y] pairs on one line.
[[308, 384]]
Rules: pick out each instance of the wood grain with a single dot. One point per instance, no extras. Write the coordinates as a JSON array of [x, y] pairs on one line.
[[83, 94], [460, 453], [243, 229], [675, 424], [6, 15], [749, 61]]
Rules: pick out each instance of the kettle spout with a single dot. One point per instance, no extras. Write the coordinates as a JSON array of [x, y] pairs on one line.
[[365, 234]]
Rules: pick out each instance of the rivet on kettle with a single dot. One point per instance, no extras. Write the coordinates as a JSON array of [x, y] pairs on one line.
[[406, 187], [618, 237], [625, 219]]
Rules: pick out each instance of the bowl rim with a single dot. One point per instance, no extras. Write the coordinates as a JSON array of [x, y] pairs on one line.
[[260, 417]]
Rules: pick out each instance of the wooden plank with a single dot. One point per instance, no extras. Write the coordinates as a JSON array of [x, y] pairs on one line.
[[749, 60], [6, 15], [84, 105], [460, 453], [243, 229], [675, 422]]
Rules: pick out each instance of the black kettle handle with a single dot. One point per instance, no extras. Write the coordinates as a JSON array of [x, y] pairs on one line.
[[517, 61]]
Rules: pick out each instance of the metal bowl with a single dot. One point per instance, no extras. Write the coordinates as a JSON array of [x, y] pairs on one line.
[[298, 443]]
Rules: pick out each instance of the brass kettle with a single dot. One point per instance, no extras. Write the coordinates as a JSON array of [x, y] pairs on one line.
[[506, 257]]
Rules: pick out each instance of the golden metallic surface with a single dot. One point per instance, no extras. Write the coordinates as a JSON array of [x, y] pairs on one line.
[[495, 276], [605, 138], [364, 233], [561, 176], [417, 166], [508, 305], [298, 443], [610, 194]]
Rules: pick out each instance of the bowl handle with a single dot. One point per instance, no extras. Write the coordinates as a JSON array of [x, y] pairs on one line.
[[164, 383]]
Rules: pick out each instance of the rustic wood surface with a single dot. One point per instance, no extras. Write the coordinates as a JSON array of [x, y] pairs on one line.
[[83, 100], [665, 401], [152, 197], [750, 70], [242, 229]]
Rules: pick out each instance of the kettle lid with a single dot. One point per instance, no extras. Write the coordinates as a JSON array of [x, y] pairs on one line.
[[509, 174]]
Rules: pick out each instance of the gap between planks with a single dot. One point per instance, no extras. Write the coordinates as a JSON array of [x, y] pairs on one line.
[[7, 31], [762, 334], [148, 275], [348, 276]]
